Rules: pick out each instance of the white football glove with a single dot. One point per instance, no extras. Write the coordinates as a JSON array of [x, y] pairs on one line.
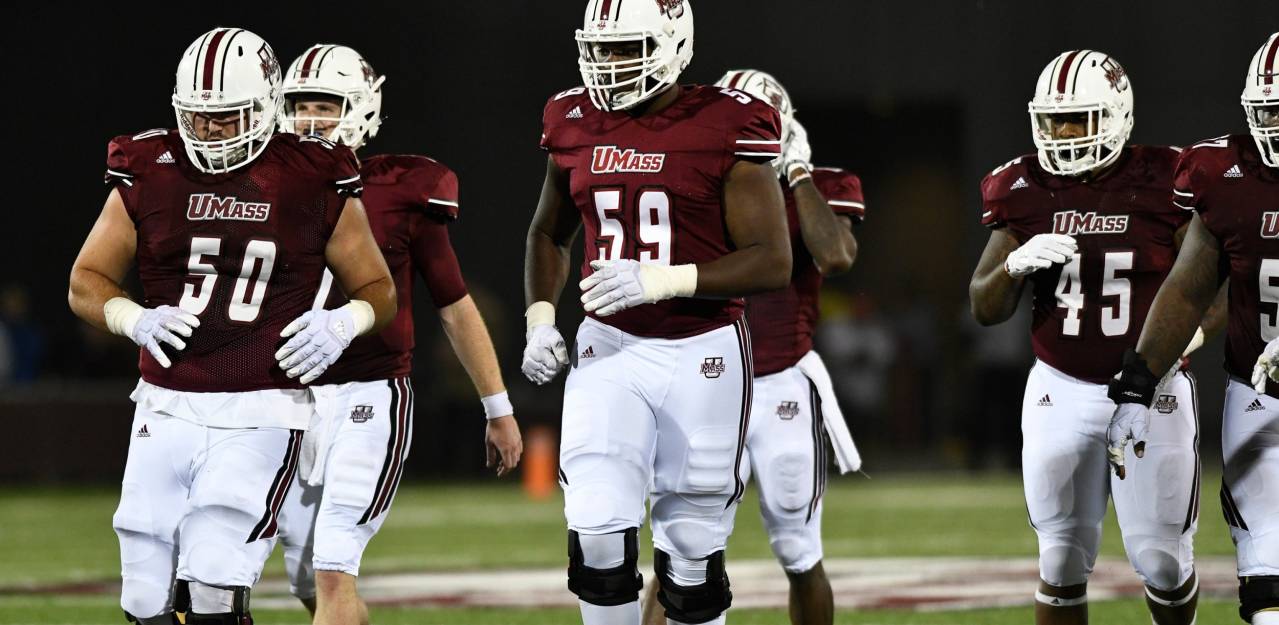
[[1267, 366], [544, 354], [1040, 252], [796, 162], [618, 285], [319, 338], [1129, 424], [148, 327]]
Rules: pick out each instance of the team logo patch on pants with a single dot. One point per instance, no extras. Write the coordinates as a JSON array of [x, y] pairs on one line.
[[713, 367], [360, 414], [1166, 404], [788, 410]]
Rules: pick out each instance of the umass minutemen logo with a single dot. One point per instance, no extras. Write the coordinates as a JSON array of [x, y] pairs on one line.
[[713, 367], [1270, 225], [788, 410], [672, 9], [1074, 222], [360, 414], [610, 159], [208, 207], [1166, 404]]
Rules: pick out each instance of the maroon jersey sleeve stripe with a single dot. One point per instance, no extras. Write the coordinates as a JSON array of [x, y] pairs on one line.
[[1065, 71], [211, 57]]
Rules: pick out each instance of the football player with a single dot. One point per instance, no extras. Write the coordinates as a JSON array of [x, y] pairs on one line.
[[1231, 185], [793, 407], [364, 403], [1088, 224], [231, 227], [683, 216]]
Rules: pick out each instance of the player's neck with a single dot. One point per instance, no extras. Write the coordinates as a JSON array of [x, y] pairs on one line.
[[658, 103]]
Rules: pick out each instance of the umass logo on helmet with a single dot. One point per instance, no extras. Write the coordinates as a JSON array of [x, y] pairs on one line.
[[610, 159]]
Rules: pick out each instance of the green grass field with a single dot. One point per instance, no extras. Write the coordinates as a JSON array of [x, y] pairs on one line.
[[52, 539]]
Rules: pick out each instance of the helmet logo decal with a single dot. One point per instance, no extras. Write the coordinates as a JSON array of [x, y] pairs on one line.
[[1115, 75], [269, 64], [673, 9]]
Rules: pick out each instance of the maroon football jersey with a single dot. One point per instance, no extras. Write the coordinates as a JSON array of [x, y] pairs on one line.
[[243, 251], [651, 188], [1237, 197], [410, 200], [782, 321], [1090, 310]]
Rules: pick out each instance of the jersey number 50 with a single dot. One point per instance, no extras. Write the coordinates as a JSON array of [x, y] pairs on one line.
[[648, 231], [1268, 288], [250, 287]]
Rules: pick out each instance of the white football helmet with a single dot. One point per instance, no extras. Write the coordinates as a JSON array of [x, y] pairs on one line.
[[766, 88], [340, 72], [663, 31], [1261, 100], [1094, 86], [231, 76]]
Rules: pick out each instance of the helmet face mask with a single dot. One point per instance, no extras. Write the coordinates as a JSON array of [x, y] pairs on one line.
[[1082, 113], [338, 75], [630, 52], [226, 118], [1260, 100]]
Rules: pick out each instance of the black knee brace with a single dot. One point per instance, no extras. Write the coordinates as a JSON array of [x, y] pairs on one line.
[[606, 587], [1257, 594], [239, 614], [693, 604]]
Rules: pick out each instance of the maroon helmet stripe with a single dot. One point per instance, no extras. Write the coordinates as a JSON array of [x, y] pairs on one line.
[[1065, 71], [736, 79], [210, 56], [306, 65], [1268, 70], [605, 7]]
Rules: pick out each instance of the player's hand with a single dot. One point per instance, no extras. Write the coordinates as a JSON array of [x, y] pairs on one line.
[[319, 337], [1040, 252], [1267, 366], [1129, 424], [618, 285], [503, 445], [162, 325], [544, 354], [797, 155]]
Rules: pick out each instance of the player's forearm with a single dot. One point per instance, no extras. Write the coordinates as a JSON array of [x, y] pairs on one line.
[[993, 295], [753, 269], [1177, 311], [469, 336], [828, 238], [89, 292], [380, 295], [546, 267]]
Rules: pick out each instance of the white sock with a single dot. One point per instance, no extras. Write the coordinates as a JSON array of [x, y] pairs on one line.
[[625, 614], [1268, 617]]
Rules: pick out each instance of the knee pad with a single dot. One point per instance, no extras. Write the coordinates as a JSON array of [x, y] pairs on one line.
[[693, 604], [1064, 564], [796, 551], [1158, 563], [212, 605], [1257, 594], [710, 461], [791, 482], [214, 546], [148, 567], [613, 586]]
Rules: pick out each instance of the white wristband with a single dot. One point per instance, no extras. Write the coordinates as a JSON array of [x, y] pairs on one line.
[[362, 313], [539, 314], [667, 282], [497, 406], [121, 314]]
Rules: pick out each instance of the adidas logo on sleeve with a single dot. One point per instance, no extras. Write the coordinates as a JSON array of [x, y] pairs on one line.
[[165, 159], [1233, 172]]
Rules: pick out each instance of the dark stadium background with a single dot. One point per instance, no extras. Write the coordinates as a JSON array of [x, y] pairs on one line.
[[919, 98]]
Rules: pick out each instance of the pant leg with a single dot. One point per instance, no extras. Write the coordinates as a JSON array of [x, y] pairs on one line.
[[241, 479], [153, 501], [1064, 471], [1250, 484], [787, 450], [1157, 504]]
